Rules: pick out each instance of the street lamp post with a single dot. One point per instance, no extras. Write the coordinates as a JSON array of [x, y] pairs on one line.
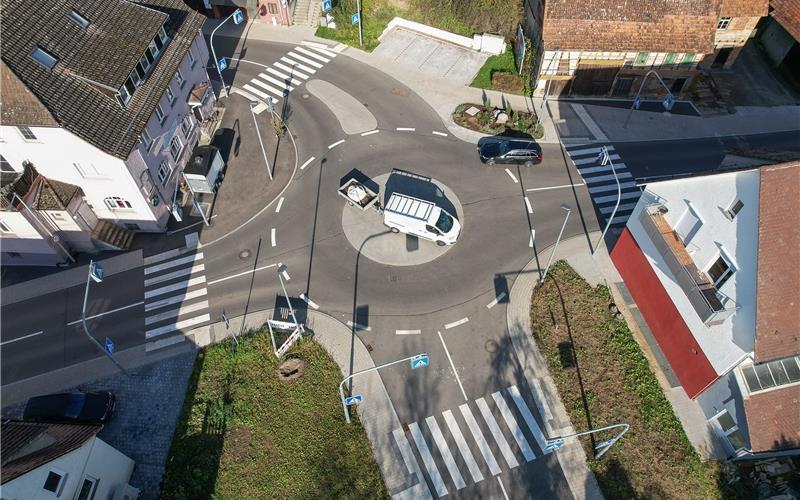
[[238, 17], [421, 357], [641, 86], [95, 273], [547, 86], [258, 133], [605, 159], [550, 260]]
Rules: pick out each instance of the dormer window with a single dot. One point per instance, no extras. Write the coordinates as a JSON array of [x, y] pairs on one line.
[[44, 58], [78, 19], [734, 209], [126, 92]]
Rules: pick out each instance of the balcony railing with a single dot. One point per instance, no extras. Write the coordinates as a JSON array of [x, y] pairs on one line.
[[712, 307]]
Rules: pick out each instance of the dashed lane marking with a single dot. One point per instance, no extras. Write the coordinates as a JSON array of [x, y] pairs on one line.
[[304, 165], [439, 133], [528, 204], [407, 332], [309, 301], [532, 238], [359, 326], [336, 144], [370, 132], [496, 300], [22, 338], [272, 236], [512, 176], [456, 323], [406, 129], [280, 204]]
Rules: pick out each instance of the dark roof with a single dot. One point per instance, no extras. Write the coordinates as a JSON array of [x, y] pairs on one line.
[[778, 284], [18, 105], [54, 195], [201, 160], [94, 62], [28, 445], [19, 186]]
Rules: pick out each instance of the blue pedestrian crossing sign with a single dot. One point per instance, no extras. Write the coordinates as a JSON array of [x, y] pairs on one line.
[[222, 64], [637, 102], [353, 400], [238, 16], [553, 444], [420, 361], [356, 18], [327, 5], [668, 101], [109, 346], [96, 272]]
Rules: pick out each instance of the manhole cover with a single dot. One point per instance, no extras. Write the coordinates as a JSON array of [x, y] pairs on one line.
[[490, 346], [244, 254]]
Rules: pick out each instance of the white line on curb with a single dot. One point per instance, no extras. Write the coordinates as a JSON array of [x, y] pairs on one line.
[[272, 236], [528, 204], [304, 165], [226, 278], [439, 133], [502, 488], [22, 338], [309, 301], [407, 332], [107, 312], [406, 129], [370, 132], [512, 176], [463, 393], [280, 204], [358, 326], [496, 300], [455, 323], [555, 187], [533, 238], [335, 144]]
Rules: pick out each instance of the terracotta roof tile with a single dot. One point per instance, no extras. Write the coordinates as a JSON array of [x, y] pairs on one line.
[[18, 105], [773, 419], [778, 287], [787, 13], [744, 8]]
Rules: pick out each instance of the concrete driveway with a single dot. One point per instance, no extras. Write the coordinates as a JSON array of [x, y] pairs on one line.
[[431, 56]]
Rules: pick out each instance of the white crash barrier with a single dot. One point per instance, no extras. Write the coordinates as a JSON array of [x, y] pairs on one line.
[[492, 44]]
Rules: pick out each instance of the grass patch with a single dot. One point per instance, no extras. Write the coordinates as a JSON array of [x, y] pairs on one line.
[[243, 433], [375, 17], [502, 63], [603, 378]]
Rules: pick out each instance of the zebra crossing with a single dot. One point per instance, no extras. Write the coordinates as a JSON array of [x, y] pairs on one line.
[[494, 420], [175, 298], [600, 181], [291, 71]]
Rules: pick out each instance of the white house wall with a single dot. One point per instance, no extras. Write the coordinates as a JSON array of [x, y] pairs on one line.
[[25, 240], [728, 343]]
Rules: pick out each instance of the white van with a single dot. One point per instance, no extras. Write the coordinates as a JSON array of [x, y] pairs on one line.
[[409, 215]]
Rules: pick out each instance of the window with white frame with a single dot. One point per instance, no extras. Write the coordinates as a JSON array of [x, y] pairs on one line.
[[727, 425], [160, 113], [720, 271], [175, 147], [147, 139], [170, 95], [179, 78], [723, 23], [27, 133], [117, 203], [186, 125], [771, 375], [164, 172], [734, 209], [88, 488], [192, 59]]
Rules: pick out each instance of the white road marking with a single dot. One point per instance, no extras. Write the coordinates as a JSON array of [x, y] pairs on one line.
[[502, 488], [602, 168], [370, 132], [505, 450], [269, 88], [496, 300], [107, 312], [150, 306], [163, 256], [175, 286], [272, 236], [592, 159], [405, 450], [359, 326], [407, 332], [312, 54], [439, 133], [280, 204], [304, 59], [546, 414], [257, 92], [322, 49], [174, 313], [587, 151], [528, 205], [226, 278], [528, 417], [622, 208], [444, 451], [180, 325], [292, 71], [609, 177], [532, 238], [304, 165], [281, 84], [613, 197], [456, 323], [512, 176], [296, 64], [472, 465], [511, 422], [494, 467], [406, 129], [286, 78], [23, 337], [453, 366], [309, 301], [172, 263], [335, 144], [555, 187], [427, 459]]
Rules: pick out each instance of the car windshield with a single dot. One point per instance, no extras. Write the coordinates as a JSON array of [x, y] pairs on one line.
[[74, 405], [445, 222]]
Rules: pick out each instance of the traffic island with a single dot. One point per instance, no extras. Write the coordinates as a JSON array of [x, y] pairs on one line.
[[494, 120], [244, 432]]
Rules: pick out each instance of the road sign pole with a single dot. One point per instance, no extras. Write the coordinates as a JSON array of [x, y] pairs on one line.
[[639, 92], [607, 159], [550, 260], [89, 278], [360, 36], [214, 53], [374, 368], [603, 447], [258, 133]]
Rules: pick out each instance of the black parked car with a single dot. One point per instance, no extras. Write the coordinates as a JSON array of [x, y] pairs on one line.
[[76, 407], [519, 151]]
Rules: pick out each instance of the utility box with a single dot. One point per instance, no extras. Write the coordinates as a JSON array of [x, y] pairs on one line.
[[203, 171]]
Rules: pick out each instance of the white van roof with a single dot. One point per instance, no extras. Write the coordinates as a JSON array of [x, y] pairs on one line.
[[409, 206]]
